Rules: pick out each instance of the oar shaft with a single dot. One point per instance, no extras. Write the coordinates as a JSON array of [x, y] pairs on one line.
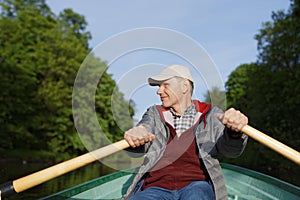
[[273, 144], [49, 173]]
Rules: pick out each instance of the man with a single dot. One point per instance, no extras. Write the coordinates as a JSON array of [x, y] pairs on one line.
[[181, 140]]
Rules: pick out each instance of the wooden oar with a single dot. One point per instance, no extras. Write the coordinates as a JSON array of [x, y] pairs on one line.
[[273, 144], [42, 176], [49, 173]]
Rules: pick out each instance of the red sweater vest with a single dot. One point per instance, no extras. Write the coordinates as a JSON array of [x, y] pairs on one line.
[[180, 164]]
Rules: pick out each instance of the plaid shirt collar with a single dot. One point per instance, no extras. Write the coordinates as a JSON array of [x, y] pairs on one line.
[[185, 121]]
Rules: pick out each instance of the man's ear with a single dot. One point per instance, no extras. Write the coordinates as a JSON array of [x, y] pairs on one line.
[[185, 86]]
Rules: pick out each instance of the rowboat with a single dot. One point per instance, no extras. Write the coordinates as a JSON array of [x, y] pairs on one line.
[[241, 183]]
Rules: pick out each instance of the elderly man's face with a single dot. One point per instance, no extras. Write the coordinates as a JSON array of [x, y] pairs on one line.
[[170, 92]]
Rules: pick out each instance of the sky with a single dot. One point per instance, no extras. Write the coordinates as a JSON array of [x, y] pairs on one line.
[[139, 37]]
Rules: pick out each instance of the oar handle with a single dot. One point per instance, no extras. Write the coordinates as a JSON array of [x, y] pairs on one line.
[[273, 144], [49, 173]]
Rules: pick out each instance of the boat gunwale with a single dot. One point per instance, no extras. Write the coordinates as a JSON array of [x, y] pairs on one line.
[[77, 189], [264, 177]]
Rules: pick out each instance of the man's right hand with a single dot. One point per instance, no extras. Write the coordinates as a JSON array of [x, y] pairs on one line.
[[138, 136]]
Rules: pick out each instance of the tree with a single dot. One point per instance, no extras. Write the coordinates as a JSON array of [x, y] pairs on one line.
[[241, 88], [19, 83], [268, 90], [41, 54], [76, 25], [99, 108]]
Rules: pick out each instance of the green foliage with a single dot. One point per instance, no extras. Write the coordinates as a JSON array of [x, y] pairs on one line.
[[242, 91], [216, 97], [39, 59], [268, 91], [76, 25]]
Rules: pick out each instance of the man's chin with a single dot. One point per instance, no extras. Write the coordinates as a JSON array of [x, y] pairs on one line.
[[165, 105]]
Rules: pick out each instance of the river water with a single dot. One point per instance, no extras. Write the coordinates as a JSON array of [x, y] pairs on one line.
[[12, 171]]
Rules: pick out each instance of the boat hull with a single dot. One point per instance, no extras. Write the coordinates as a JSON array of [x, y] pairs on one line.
[[241, 183]]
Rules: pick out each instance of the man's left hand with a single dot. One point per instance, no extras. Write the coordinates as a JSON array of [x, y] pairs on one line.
[[233, 119]]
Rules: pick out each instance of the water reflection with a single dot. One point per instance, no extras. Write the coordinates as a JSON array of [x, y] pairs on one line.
[[12, 171]]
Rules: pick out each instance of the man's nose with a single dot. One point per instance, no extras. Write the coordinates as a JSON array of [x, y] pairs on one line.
[[160, 90]]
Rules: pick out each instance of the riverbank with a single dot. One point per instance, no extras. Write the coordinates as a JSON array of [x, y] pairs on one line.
[[26, 155]]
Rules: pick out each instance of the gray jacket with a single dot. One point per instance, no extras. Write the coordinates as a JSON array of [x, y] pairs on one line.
[[212, 139]]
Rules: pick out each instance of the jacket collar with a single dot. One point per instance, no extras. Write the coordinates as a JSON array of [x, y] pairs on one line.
[[201, 107]]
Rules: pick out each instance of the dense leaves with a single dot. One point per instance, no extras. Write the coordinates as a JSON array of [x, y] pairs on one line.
[[39, 59]]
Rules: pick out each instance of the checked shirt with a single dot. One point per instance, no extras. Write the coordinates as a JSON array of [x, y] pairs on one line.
[[185, 121]]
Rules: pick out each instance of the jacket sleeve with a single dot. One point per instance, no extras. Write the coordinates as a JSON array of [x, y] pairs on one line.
[[226, 144], [148, 121]]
